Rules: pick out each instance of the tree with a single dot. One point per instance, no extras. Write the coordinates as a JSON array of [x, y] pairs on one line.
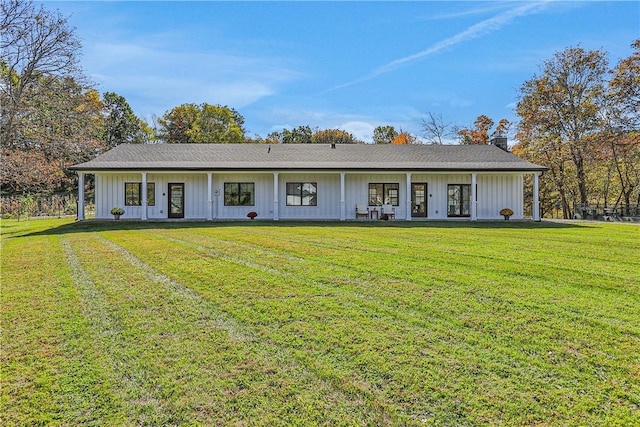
[[561, 107], [384, 134], [274, 138], [404, 138], [176, 123], [63, 126], [435, 129], [623, 125], [121, 125], [35, 42], [334, 136], [299, 135], [205, 123], [480, 134], [624, 91]]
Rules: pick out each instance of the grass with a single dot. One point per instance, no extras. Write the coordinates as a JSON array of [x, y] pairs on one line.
[[259, 323]]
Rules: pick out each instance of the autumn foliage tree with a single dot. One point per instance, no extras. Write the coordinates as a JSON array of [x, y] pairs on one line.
[[623, 126], [50, 117], [35, 43], [304, 134], [334, 136], [583, 127], [481, 133], [404, 138]]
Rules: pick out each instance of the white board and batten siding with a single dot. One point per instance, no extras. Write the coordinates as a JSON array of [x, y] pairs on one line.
[[328, 196], [494, 192], [110, 193], [263, 196]]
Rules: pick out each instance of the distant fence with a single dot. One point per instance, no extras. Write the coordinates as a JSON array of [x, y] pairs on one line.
[[605, 213], [33, 205]]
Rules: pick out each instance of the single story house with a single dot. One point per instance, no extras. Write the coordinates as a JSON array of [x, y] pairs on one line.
[[308, 181]]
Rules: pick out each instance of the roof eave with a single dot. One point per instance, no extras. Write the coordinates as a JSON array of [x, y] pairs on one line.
[[81, 168]]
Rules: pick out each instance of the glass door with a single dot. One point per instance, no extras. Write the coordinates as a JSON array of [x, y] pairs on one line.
[[418, 200], [176, 200]]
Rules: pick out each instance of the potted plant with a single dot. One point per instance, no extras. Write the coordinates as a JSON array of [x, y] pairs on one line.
[[506, 213], [251, 215], [116, 212]]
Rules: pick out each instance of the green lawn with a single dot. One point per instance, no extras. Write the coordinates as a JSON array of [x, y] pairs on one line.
[[258, 323]]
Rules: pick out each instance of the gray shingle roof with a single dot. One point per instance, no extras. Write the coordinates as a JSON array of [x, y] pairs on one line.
[[307, 157]]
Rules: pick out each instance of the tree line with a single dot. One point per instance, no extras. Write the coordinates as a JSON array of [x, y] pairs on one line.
[[581, 119], [578, 117]]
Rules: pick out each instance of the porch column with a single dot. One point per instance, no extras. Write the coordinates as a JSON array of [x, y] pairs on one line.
[[536, 200], [408, 203], [80, 196], [343, 206], [276, 216], [209, 199], [474, 198], [145, 202]]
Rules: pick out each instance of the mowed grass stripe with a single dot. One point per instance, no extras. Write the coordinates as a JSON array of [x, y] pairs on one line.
[[53, 370], [465, 336], [521, 247], [268, 316], [302, 333], [138, 399], [505, 278], [270, 386], [497, 297]]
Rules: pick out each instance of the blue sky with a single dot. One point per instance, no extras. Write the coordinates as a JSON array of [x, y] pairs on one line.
[[347, 65]]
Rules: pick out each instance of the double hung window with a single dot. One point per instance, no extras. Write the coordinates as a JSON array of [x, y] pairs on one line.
[[133, 194], [384, 194], [302, 193], [239, 194]]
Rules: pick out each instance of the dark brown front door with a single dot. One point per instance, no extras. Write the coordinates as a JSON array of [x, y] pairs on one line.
[[176, 200], [418, 200]]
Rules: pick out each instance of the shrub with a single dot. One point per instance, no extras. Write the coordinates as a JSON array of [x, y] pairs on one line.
[[117, 211]]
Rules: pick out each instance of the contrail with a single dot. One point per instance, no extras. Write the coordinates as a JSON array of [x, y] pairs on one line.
[[475, 31]]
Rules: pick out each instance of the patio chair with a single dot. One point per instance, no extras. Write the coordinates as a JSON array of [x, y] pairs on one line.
[[389, 211], [362, 211]]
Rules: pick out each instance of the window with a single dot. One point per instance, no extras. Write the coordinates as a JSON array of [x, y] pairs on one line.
[[458, 200], [384, 194], [239, 193], [133, 194], [302, 194]]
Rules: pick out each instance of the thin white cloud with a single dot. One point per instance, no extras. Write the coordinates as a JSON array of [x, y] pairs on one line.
[[480, 29], [492, 7], [149, 75]]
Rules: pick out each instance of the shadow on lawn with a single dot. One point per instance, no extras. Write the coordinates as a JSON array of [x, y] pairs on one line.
[[111, 225]]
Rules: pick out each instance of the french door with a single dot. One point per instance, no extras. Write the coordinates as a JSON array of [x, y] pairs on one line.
[[176, 200], [418, 199]]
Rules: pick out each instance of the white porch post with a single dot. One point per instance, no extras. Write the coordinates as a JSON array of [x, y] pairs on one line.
[[343, 206], [145, 202], [536, 200], [276, 215], [408, 214], [80, 196], [209, 199], [474, 197]]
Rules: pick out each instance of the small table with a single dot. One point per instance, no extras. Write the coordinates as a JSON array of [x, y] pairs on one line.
[[373, 212]]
